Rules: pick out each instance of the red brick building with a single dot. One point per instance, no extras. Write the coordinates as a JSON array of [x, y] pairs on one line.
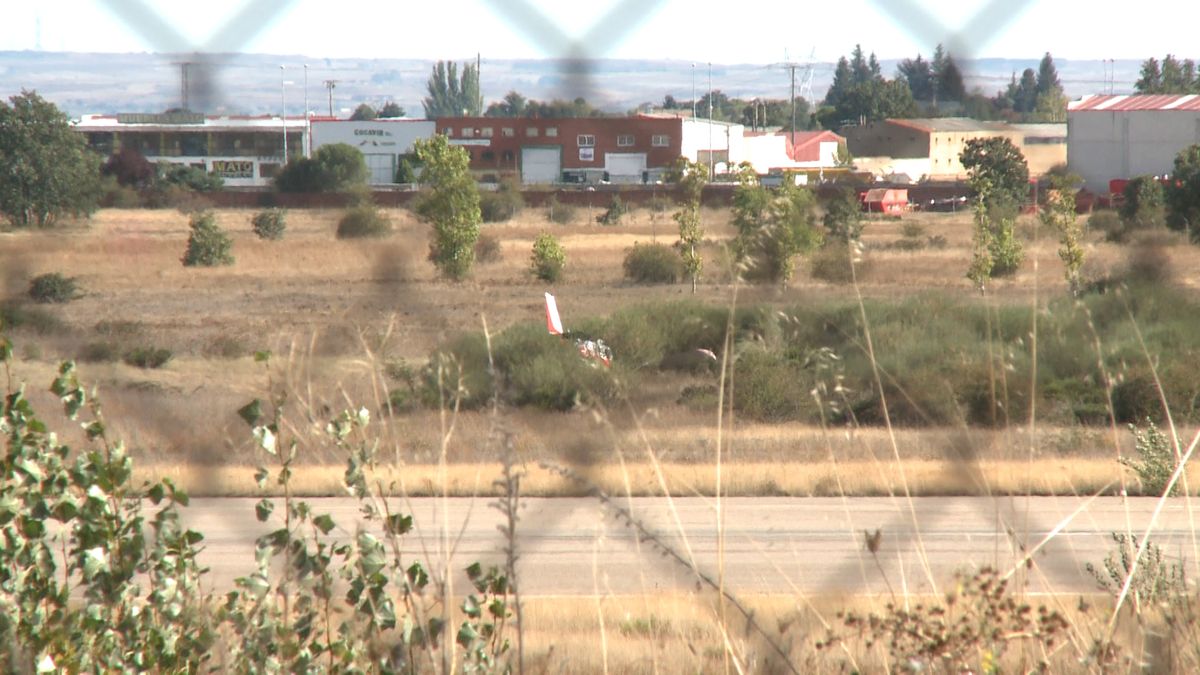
[[582, 150]]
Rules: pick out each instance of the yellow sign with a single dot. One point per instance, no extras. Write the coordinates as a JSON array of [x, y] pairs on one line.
[[233, 168]]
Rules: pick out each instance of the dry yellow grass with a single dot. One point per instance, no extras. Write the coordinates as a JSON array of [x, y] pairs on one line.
[[925, 478]]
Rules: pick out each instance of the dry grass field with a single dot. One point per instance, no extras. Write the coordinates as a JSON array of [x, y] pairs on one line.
[[335, 312]]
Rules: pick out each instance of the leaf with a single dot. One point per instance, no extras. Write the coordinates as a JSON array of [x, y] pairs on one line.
[[251, 413], [262, 356], [265, 439], [95, 560], [324, 523], [467, 635], [263, 510], [398, 524], [260, 477], [156, 494]]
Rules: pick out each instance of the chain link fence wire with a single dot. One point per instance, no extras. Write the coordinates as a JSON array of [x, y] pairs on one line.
[[577, 58]]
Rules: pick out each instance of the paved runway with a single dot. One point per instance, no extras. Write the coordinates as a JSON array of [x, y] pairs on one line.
[[772, 545]]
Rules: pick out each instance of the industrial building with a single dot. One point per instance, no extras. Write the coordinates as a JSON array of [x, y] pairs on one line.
[[930, 148], [1122, 137], [630, 150], [244, 151], [382, 142]]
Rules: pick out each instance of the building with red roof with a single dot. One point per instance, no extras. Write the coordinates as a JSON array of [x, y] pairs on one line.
[[1125, 136]]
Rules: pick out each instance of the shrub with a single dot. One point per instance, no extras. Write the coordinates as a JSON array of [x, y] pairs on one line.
[[333, 168], [53, 288], [1145, 205], [1156, 460], [148, 357], [32, 318], [191, 178], [208, 245], [769, 389], [614, 213], [832, 263], [225, 347], [503, 204], [99, 352], [270, 224], [487, 249], [911, 230], [559, 213], [1108, 223], [1149, 262], [548, 259], [1156, 580], [652, 264], [364, 221]]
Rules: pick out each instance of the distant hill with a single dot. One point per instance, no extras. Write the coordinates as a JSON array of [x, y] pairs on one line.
[[251, 83]]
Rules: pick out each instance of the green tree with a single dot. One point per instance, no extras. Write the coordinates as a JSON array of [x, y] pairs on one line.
[[999, 177], [333, 168], [750, 203], [843, 216], [1051, 103], [1144, 205], [791, 230], [364, 113], [450, 206], [450, 95], [548, 259], [1183, 194], [46, 171], [1058, 214], [691, 178], [391, 110], [947, 77], [208, 245], [191, 178], [1150, 81], [919, 76], [513, 105], [1001, 164]]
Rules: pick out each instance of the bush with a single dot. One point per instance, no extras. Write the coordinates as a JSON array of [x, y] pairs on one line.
[[653, 264], [53, 288], [832, 263], [99, 352], [190, 178], [1108, 223], [32, 318], [1156, 460], [559, 213], [487, 249], [148, 357], [333, 168], [769, 389], [208, 245], [363, 221], [911, 230], [548, 259], [1149, 262], [503, 204], [270, 224], [615, 212]]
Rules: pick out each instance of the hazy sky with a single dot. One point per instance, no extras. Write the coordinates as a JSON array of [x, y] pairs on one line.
[[697, 30]]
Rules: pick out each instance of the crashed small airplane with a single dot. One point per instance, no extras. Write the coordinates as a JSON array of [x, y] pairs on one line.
[[594, 350]]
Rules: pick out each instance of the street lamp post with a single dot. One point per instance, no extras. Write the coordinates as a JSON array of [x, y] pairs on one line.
[[307, 126]]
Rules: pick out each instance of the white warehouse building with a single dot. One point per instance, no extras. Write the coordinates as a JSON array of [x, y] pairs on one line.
[[1123, 137], [382, 142]]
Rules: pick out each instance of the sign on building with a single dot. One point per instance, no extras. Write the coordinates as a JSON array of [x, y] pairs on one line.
[[230, 168]]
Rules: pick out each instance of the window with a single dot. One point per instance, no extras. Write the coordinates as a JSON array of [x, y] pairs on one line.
[[487, 132], [449, 132], [468, 132], [551, 132], [532, 132], [660, 141], [508, 132], [586, 141], [508, 156], [625, 141], [488, 156]]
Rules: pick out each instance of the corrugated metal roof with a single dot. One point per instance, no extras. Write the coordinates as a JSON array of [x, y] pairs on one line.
[[1127, 103]]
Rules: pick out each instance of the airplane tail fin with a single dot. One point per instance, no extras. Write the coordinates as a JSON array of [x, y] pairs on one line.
[[553, 321]]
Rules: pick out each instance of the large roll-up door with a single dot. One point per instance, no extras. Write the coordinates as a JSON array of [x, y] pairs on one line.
[[625, 167], [541, 165]]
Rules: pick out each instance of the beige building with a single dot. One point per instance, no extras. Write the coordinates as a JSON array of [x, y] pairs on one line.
[[930, 148]]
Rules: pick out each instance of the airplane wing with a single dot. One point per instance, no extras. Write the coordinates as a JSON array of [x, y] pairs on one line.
[[553, 321]]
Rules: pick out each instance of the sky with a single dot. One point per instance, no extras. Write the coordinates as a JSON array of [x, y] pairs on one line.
[[764, 31]]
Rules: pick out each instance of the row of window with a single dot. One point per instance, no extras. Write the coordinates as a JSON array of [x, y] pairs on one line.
[[582, 140]]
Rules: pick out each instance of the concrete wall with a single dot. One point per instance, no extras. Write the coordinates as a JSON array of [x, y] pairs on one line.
[[726, 142], [1104, 145], [947, 147], [880, 139]]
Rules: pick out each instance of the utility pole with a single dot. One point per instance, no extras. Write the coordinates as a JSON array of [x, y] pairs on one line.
[[693, 90], [283, 110], [479, 79], [331, 85], [307, 128], [185, 84], [710, 122]]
